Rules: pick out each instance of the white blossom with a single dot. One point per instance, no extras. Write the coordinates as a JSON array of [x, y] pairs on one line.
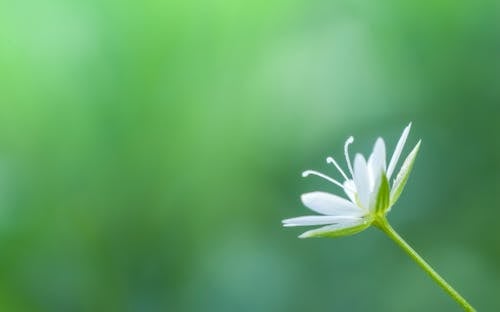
[[366, 185]]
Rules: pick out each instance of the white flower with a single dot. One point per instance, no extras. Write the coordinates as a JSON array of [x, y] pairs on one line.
[[368, 190]]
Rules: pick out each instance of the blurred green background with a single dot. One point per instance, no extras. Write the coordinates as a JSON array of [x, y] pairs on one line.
[[150, 149]]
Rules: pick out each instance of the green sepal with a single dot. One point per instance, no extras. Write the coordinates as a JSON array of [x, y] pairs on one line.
[[321, 232], [404, 173], [383, 196]]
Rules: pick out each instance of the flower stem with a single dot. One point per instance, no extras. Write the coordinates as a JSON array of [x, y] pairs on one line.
[[382, 224]]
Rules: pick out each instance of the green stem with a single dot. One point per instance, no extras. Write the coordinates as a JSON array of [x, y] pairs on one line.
[[382, 224]]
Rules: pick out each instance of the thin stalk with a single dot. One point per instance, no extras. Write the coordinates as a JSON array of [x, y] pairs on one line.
[[382, 224]]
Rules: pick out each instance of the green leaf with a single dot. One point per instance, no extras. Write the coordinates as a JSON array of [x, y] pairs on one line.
[[338, 230], [404, 173], [383, 196]]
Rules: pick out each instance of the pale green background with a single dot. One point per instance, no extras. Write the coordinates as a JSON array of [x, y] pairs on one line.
[[150, 149]]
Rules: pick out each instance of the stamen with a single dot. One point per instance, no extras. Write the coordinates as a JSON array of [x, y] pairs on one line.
[[346, 152], [330, 160], [324, 176]]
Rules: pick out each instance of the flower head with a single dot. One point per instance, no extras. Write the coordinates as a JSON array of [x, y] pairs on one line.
[[370, 195]]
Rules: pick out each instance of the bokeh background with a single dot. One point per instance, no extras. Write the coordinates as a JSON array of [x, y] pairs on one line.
[[149, 150]]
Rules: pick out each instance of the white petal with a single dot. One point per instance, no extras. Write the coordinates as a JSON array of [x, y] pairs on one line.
[[376, 162], [397, 151], [329, 204], [340, 228], [318, 220], [361, 180]]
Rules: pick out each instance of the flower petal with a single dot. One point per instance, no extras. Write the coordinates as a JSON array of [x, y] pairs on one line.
[[329, 204], [404, 173], [376, 163], [340, 229], [361, 180], [318, 220], [397, 151]]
